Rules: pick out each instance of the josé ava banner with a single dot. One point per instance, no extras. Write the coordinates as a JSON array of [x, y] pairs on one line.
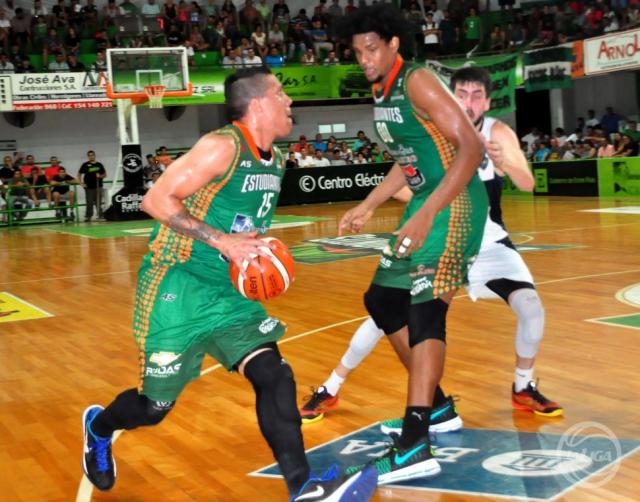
[[618, 51]]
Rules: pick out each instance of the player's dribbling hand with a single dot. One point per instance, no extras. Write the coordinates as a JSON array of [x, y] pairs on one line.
[[354, 219], [243, 246], [412, 235]]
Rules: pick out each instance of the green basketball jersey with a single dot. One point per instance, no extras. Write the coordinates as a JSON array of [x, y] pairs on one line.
[[241, 200], [415, 142]]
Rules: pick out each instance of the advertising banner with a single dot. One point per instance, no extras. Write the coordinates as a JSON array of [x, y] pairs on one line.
[[331, 184], [58, 91], [574, 177], [619, 177], [618, 51], [503, 79], [548, 68]]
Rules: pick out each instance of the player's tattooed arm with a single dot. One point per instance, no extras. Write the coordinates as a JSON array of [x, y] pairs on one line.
[[184, 223]]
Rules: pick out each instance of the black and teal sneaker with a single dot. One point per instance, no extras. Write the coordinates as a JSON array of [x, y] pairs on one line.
[[444, 418], [97, 460], [401, 464], [357, 486]]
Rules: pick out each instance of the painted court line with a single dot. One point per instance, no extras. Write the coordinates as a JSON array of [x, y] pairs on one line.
[[42, 311], [603, 321]]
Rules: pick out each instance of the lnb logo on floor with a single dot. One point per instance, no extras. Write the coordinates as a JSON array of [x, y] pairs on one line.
[[494, 463]]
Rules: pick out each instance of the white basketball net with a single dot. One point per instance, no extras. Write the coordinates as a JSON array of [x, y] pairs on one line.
[[155, 94]]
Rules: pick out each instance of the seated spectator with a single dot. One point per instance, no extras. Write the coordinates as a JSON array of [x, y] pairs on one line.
[[196, 40], [232, 60], [576, 135], [174, 37], [305, 159], [592, 121], [292, 161], [244, 47], [302, 143], [610, 121], [569, 151], [61, 191], [386, 156], [155, 176], [332, 144], [588, 150], [276, 37], [542, 151], [631, 130], [274, 59], [259, 39], [163, 157], [308, 58], [360, 159], [151, 8], [559, 134], [297, 40], [129, 7], [556, 152], [18, 195], [361, 141], [627, 148], [345, 152], [320, 160], [52, 45], [515, 34], [319, 38], [6, 66], [331, 59], [375, 153], [337, 159], [53, 169], [28, 164], [39, 187], [100, 63], [606, 149], [252, 58], [497, 39], [59, 64], [319, 144], [292, 150], [74, 64]]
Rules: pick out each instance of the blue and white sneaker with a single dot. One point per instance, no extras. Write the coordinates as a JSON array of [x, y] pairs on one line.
[[444, 418], [97, 460], [356, 487]]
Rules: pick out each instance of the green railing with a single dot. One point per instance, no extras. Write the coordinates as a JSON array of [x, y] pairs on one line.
[[11, 215]]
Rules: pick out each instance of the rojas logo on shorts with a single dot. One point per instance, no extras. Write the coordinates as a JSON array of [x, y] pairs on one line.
[[268, 325], [420, 285]]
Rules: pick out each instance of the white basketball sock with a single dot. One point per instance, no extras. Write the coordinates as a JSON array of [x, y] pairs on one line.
[[522, 378], [333, 383]]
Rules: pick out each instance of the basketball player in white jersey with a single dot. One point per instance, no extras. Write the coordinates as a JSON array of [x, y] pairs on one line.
[[498, 272]]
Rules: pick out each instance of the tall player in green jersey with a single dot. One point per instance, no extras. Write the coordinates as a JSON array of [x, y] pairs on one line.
[[437, 151], [210, 205]]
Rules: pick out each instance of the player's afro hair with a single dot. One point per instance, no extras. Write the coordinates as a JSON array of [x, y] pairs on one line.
[[384, 19]]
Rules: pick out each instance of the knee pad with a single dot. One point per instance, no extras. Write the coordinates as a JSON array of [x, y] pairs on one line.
[[388, 307], [362, 343], [155, 411], [428, 321], [272, 379], [528, 307], [504, 287]]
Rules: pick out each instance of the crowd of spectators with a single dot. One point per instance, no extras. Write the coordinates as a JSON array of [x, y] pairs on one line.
[[613, 135], [25, 185], [268, 31]]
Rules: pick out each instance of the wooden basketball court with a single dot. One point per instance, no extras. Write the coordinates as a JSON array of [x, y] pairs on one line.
[[84, 353]]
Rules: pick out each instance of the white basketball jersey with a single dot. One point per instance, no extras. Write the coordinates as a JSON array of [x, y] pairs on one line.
[[487, 171], [492, 231]]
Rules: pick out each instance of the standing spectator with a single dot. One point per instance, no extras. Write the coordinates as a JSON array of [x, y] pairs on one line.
[[128, 7], [334, 11], [6, 66], [90, 175], [264, 12], [349, 8], [320, 160], [111, 10], [449, 33], [610, 121], [281, 14], [274, 59], [196, 40], [60, 14], [249, 15], [90, 15], [21, 28], [361, 141], [6, 170], [431, 36], [169, 13], [515, 34], [39, 187], [546, 26], [276, 37], [472, 29], [61, 191], [5, 28], [229, 10], [212, 8]]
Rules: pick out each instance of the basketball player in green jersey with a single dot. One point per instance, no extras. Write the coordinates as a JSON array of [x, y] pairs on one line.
[[437, 151], [210, 205]]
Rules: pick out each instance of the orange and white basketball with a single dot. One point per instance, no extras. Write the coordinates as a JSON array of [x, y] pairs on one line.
[[277, 276]]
